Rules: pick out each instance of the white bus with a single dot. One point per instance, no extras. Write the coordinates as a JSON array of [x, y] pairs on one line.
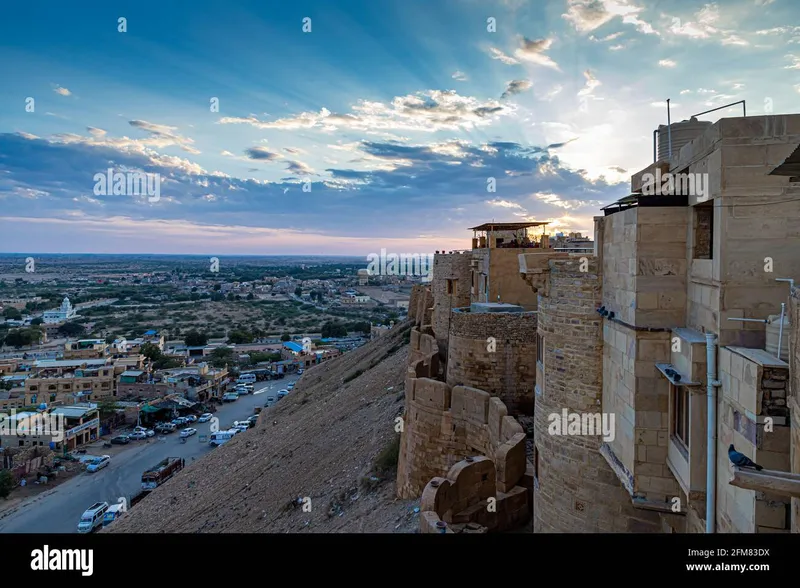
[[246, 379], [92, 517], [221, 437]]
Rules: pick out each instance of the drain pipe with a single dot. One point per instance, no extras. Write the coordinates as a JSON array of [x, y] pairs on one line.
[[711, 440]]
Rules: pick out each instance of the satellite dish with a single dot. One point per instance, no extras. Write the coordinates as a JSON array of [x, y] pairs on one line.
[[42, 406]]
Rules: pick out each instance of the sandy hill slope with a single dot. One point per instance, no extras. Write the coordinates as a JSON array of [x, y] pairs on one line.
[[331, 440]]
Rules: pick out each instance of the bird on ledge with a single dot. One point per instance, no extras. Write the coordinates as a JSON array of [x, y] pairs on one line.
[[741, 460]]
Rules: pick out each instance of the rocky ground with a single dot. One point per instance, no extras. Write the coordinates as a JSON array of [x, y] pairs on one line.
[[321, 460]]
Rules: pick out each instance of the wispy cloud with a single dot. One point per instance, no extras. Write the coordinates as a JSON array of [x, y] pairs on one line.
[[62, 91], [667, 63], [429, 111], [460, 76], [495, 53], [516, 87], [534, 51]]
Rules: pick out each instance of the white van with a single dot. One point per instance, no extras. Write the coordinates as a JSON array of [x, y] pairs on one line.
[[92, 517], [246, 379], [220, 437]]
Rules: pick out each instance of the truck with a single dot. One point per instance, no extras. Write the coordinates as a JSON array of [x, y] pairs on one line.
[[113, 513], [161, 472]]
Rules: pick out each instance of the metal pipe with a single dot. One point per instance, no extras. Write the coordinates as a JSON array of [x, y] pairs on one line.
[[711, 437], [742, 102], [669, 131], [749, 320], [790, 280], [655, 153], [780, 329]]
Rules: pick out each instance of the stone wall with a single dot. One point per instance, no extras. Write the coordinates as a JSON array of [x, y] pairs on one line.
[[450, 289], [496, 352], [753, 388], [575, 489], [420, 305], [468, 501], [444, 425]]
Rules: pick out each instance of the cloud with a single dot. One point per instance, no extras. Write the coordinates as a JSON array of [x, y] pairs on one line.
[[167, 135], [299, 168], [533, 51], [516, 87], [499, 55], [607, 38], [795, 62], [261, 154], [62, 91], [708, 24], [592, 83], [667, 63], [460, 76], [198, 209], [429, 111], [616, 47], [797, 87], [589, 15]]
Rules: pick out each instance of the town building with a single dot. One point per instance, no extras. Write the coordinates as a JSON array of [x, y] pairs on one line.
[[86, 349], [59, 315], [70, 381]]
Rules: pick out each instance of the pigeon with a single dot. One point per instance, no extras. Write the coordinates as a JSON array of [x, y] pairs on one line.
[[741, 460], [611, 315], [601, 310]]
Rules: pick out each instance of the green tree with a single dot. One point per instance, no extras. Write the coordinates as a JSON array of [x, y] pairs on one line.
[[12, 313], [285, 337], [37, 321], [238, 337], [23, 337], [195, 339], [70, 329], [331, 329], [298, 291], [221, 356], [151, 351], [6, 483]]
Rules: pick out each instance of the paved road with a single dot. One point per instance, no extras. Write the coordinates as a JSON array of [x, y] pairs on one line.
[[58, 510]]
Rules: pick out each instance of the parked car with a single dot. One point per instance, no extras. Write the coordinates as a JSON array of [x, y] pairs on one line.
[[253, 419], [282, 394], [147, 432], [230, 397], [188, 432], [179, 422], [205, 417], [290, 386], [121, 440], [98, 463], [165, 428], [137, 436], [300, 372], [270, 400], [241, 390], [250, 387], [241, 428]]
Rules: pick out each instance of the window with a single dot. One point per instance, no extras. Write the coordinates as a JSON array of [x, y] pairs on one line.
[[452, 287], [540, 349], [536, 464], [680, 414], [704, 231]]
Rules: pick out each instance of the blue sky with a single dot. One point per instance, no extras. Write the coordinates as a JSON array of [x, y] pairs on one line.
[[393, 115]]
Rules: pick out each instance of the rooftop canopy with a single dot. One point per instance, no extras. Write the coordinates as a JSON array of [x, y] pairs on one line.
[[506, 226]]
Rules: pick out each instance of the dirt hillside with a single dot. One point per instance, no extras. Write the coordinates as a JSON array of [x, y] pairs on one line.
[[331, 440]]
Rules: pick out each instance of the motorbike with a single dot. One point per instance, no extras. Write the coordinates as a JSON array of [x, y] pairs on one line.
[[183, 439]]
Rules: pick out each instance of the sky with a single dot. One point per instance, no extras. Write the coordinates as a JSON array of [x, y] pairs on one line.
[[348, 127]]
